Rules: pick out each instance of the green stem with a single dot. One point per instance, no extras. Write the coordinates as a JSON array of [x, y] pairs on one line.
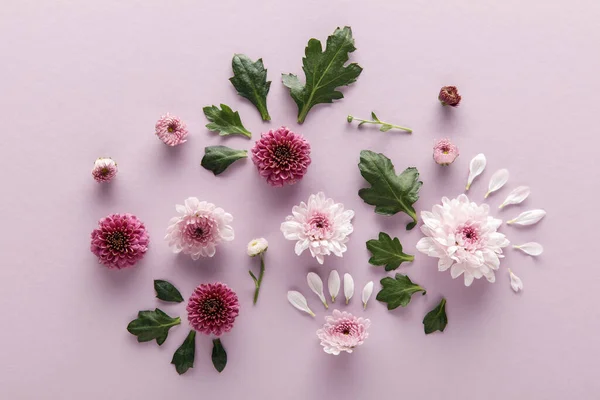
[[402, 128], [264, 113], [258, 282]]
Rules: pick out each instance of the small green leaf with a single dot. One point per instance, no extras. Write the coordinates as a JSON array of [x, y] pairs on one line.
[[385, 127], [165, 291], [225, 121], [250, 80], [218, 158], [389, 193], [374, 117], [151, 325], [361, 123], [324, 71], [436, 319], [219, 355], [387, 251], [398, 292], [183, 359]]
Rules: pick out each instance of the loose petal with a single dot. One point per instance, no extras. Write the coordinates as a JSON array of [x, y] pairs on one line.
[[476, 168], [515, 282], [498, 180], [366, 294], [348, 287], [531, 248], [528, 218], [299, 301], [334, 284], [517, 196], [316, 285]]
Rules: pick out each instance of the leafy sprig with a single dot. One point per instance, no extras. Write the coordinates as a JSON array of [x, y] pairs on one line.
[[398, 291], [225, 121], [385, 126], [150, 325], [388, 252]]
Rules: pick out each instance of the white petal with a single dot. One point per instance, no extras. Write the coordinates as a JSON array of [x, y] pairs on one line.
[[528, 217], [348, 287], [316, 285], [531, 248], [498, 180], [366, 294], [299, 301], [334, 284], [476, 168], [517, 196], [515, 282]]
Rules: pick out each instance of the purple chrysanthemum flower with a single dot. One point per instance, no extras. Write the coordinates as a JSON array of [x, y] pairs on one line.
[[105, 168], [281, 156], [120, 241], [212, 308], [445, 152], [171, 130], [449, 96]]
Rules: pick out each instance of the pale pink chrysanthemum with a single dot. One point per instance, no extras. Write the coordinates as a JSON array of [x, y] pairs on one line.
[[199, 228], [105, 169], [120, 240], [322, 226], [212, 308], [281, 156], [171, 130], [343, 332], [464, 237], [445, 152]]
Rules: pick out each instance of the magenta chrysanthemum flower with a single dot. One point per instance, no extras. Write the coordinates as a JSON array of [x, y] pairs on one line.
[[281, 156], [444, 152], [171, 130], [212, 308], [120, 240], [105, 168], [343, 332]]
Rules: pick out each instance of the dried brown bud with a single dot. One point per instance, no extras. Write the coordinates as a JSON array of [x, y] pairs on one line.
[[449, 96]]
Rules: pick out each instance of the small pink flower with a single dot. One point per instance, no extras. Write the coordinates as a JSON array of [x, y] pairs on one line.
[[171, 130], [281, 156], [105, 168], [449, 96], [343, 332], [212, 308], [120, 241], [444, 152]]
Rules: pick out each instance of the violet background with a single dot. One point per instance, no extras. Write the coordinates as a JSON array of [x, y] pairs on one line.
[[86, 79]]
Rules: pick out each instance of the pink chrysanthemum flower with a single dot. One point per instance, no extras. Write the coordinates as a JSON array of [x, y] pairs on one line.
[[322, 226], [343, 332], [105, 168], [199, 228], [281, 156], [120, 240], [212, 308], [171, 130], [445, 152]]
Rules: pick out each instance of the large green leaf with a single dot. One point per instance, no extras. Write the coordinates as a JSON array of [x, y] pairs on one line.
[[183, 359], [151, 325], [219, 355], [324, 72], [218, 158], [250, 80], [387, 251], [398, 292], [389, 193], [225, 121], [436, 319], [165, 291]]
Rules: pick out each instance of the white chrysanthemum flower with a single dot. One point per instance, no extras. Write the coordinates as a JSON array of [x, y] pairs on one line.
[[199, 228], [257, 246], [464, 237], [321, 225]]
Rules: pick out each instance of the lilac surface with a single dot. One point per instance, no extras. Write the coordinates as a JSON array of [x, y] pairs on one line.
[[81, 80]]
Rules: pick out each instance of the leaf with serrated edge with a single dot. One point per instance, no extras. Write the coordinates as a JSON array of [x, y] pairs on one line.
[[183, 359], [150, 325], [250, 80], [219, 355], [398, 291], [436, 319], [387, 251], [218, 158], [225, 121], [165, 291], [389, 193], [324, 71]]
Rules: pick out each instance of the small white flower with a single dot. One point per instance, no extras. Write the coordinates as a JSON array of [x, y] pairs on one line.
[[257, 246], [515, 282]]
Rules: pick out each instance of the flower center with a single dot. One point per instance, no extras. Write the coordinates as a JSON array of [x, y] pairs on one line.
[[345, 329], [319, 226], [283, 154], [172, 127], [212, 307], [469, 235], [199, 230], [105, 171], [117, 241]]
